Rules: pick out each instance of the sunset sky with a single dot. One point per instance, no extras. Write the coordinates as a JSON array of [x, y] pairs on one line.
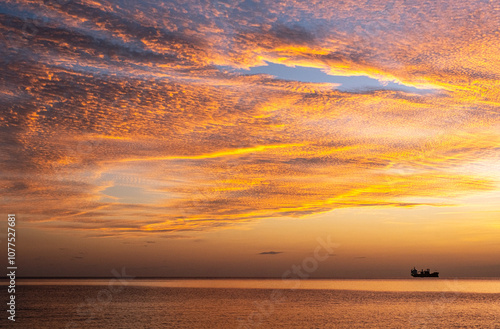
[[211, 138]]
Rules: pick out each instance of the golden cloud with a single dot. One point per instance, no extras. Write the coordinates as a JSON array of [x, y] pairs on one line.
[[96, 96]]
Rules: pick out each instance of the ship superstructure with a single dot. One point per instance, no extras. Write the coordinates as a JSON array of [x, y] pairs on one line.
[[424, 274]]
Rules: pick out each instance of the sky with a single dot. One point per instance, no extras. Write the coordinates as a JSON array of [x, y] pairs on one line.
[[227, 138]]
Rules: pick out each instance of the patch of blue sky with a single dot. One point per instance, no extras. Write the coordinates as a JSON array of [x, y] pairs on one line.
[[315, 75], [132, 195]]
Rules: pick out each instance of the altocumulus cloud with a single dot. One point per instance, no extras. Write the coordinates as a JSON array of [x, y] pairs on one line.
[[97, 95]]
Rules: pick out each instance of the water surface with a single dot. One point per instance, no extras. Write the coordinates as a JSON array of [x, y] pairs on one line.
[[420, 303]]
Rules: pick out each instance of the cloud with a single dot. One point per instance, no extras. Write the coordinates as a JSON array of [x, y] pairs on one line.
[[98, 96]]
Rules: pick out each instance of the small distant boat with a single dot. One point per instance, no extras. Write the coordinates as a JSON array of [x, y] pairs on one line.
[[424, 274]]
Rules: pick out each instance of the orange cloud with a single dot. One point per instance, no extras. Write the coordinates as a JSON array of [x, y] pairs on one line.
[[104, 97]]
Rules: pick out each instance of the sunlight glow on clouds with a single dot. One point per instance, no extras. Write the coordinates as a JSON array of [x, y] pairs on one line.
[[100, 94]]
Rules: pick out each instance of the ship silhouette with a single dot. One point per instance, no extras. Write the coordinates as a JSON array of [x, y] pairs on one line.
[[424, 274]]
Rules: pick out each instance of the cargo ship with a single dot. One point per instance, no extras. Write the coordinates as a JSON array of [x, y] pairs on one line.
[[424, 274]]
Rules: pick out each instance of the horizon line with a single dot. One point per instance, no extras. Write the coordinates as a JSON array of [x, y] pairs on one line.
[[233, 277]]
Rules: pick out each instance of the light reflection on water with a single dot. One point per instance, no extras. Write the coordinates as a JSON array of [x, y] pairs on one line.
[[483, 285]]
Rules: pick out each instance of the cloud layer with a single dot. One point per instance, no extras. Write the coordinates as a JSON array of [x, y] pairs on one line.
[[145, 97]]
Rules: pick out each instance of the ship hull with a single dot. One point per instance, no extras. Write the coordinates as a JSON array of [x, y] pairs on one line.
[[431, 275]]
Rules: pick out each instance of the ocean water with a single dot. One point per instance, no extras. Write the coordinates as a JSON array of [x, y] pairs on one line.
[[133, 303]]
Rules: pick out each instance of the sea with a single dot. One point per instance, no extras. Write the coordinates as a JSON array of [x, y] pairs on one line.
[[256, 303]]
